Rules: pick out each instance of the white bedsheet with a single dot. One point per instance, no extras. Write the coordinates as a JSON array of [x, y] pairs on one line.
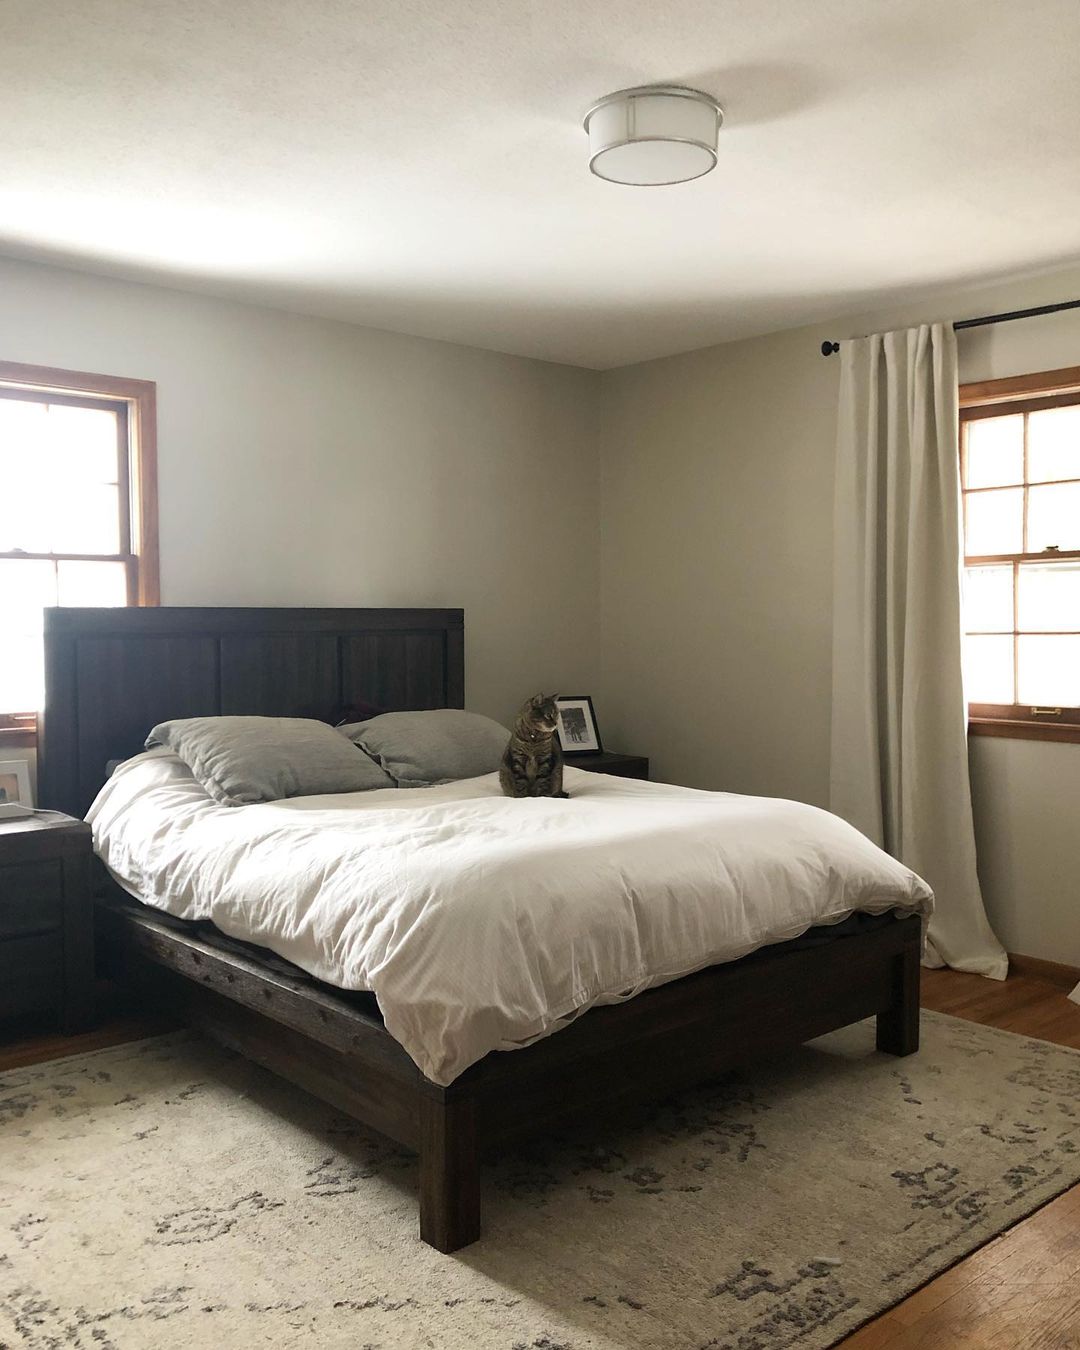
[[480, 922]]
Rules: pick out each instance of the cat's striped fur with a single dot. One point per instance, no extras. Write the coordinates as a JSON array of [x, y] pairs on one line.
[[532, 765]]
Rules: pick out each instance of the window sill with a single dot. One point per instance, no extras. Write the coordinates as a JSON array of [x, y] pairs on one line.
[[18, 732], [1024, 731]]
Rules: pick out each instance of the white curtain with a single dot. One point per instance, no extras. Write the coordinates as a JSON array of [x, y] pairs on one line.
[[899, 767]]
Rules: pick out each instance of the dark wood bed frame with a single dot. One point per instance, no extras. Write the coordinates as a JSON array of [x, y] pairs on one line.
[[112, 674]]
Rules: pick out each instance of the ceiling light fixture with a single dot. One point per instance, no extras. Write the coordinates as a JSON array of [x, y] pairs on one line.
[[653, 135]]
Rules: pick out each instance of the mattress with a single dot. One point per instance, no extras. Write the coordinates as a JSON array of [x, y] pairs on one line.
[[482, 923]]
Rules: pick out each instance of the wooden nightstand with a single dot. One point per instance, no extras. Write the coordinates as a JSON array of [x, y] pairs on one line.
[[606, 761], [46, 920]]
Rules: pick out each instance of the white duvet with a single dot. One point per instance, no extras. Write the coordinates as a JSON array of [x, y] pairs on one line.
[[482, 923]]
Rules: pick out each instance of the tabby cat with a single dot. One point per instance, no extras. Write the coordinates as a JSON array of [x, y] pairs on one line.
[[533, 763]]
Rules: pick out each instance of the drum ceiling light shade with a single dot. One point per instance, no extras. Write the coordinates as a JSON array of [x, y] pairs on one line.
[[653, 135]]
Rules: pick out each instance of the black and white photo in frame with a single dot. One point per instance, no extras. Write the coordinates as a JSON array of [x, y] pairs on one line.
[[578, 732]]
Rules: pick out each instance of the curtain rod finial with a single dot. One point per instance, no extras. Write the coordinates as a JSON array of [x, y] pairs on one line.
[[827, 348]]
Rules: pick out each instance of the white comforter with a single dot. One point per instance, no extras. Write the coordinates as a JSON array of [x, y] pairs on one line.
[[482, 923]]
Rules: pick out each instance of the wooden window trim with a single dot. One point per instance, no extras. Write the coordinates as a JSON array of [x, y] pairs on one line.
[[18, 731], [980, 392], [1022, 731], [138, 492], [997, 398]]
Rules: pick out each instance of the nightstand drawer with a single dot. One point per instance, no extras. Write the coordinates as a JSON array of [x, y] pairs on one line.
[[46, 920], [31, 897], [31, 974]]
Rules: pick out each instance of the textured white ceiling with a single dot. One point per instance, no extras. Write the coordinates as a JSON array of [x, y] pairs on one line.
[[419, 165]]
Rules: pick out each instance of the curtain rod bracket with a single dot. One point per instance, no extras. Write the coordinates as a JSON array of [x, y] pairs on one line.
[[827, 348]]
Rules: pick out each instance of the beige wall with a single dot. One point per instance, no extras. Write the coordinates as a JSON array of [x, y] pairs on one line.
[[716, 553], [312, 463]]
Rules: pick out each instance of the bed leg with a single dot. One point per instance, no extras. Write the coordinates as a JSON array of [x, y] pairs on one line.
[[898, 1025], [449, 1173]]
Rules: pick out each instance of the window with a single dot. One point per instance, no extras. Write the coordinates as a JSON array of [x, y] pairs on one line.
[[78, 512], [1020, 473]]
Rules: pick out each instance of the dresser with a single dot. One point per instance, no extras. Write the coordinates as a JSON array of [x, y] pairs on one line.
[[46, 922]]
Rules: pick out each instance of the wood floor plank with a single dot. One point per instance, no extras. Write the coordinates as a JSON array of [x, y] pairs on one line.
[[119, 1021], [1025, 1254], [988, 1316]]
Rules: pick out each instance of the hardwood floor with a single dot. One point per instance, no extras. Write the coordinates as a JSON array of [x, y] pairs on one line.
[[1022, 1290], [1019, 1292], [118, 1021]]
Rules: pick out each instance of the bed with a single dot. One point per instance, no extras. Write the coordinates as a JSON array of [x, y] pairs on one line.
[[112, 674]]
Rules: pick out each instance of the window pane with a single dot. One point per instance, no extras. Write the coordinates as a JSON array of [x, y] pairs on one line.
[[22, 676], [22, 435], [82, 443], [1049, 671], [1050, 597], [1054, 444], [26, 520], [85, 518], [995, 451], [57, 464], [91, 583], [988, 669], [995, 522], [1054, 517], [988, 599], [70, 518], [26, 589], [22, 430], [11, 505]]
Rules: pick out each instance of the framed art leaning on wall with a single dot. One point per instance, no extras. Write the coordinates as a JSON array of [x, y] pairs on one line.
[[578, 732]]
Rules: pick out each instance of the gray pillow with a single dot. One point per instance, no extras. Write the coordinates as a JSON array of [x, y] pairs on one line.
[[421, 748], [241, 760]]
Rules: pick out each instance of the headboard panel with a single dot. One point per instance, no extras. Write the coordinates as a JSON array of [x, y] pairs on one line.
[[112, 674]]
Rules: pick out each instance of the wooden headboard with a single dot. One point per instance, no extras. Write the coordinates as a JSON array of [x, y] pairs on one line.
[[112, 674]]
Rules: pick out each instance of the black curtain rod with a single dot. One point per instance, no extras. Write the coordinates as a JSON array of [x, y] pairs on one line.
[[827, 348]]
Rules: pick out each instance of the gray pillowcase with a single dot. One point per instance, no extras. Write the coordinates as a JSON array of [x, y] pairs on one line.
[[242, 760], [418, 749]]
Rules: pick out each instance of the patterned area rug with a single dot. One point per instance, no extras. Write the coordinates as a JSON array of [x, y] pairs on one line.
[[168, 1194]]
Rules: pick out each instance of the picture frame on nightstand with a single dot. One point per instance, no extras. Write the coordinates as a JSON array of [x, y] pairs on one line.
[[578, 731], [16, 802]]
